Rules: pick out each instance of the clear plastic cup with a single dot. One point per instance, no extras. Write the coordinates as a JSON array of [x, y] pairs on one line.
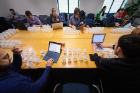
[[84, 51], [78, 50], [87, 30], [64, 59], [4, 35], [78, 32], [69, 58], [85, 58], [80, 56], [2, 38], [27, 52], [69, 51], [74, 57], [74, 51], [30, 64], [65, 50], [101, 52], [42, 52]]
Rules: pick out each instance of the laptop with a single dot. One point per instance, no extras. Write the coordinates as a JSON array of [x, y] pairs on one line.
[[80, 27], [20, 25], [57, 26], [126, 26], [98, 38], [54, 51]]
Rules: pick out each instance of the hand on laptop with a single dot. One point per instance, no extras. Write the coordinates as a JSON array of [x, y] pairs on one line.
[[94, 47], [50, 62], [102, 45], [81, 23]]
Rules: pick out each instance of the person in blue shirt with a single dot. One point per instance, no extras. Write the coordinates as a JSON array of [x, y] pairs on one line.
[[13, 16], [113, 21], [53, 17], [13, 82]]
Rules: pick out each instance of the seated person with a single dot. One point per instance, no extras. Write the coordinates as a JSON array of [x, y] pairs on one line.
[[120, 75], [14, 16], [13, 82], [75, 19], [100, 15], [124, 13], [113, 21], [32, 20], [53, 17]]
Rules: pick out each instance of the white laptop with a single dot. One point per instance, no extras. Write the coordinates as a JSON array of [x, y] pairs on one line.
[[57, 26]]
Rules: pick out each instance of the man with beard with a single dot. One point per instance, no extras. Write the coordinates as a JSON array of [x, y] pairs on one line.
[[120, 75], [13, 82]]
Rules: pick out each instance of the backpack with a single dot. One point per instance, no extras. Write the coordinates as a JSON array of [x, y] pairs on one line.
[[82, 15]]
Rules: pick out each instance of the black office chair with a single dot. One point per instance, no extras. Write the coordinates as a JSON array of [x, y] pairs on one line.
[[75, 88], [3, 25]]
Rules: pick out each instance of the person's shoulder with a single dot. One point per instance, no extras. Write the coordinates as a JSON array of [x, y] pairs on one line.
[[72, 17]]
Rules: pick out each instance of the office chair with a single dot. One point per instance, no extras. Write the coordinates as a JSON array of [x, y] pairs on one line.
[[90, 16], [88, 22], [74, 88]]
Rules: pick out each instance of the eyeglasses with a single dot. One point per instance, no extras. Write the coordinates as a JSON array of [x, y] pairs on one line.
[[6, 56]]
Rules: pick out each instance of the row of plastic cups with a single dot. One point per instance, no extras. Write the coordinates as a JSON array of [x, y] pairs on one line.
[[75, 58], [71, 31], [46, 29], [8, 33], [33, 29], [74, 50], [7, 45], [11, 42]]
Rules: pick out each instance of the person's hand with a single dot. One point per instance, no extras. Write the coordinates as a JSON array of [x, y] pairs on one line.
[[94, 47], [73, 26], [26, 25], [57, 20], [102, 45], [117, 24], [50, 62], [15, 17], [17, 50], [81, 23]]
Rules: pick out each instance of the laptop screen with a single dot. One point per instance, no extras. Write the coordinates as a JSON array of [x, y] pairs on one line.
[[98, 38], [55, 47], [128, 25]]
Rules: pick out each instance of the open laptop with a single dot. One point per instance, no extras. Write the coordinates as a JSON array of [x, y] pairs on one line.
[[54, 51], [126, 26], [20, 25], [98, 38], [57, 26], [80, 27]]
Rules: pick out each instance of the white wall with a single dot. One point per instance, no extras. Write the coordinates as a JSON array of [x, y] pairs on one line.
[[43, 7], [37, 7], [91, 6]]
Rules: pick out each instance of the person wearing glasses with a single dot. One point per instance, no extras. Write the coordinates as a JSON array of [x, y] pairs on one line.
[[75, 19], [13, 82], [113, 21]]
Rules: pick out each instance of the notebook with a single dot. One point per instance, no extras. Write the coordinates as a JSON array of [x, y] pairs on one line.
[[54, 51]]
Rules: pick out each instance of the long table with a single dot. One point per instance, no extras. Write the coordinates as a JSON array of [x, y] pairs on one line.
[[40, 40]]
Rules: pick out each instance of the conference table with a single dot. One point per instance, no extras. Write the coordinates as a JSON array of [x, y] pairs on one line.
[[40, 41]]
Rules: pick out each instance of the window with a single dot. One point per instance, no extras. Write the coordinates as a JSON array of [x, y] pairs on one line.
[[63, 6], [123, 3], [113, 5], [116, 5], [67, 6], [107, 3]]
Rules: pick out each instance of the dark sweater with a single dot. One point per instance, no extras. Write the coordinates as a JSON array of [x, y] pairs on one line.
[[14, 82], [121, 75], [111, 21]]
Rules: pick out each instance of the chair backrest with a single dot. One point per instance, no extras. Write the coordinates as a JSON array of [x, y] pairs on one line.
[[90, 16], [62, 17], [70, 14], [88, 22], [109, 15], [42, 17]]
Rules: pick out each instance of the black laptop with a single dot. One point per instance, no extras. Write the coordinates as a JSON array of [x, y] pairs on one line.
[[19, 25]]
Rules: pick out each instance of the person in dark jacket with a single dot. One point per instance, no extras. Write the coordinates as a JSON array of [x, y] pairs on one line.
[[120, 75], [53, 17], [13, 82], [113, 21]]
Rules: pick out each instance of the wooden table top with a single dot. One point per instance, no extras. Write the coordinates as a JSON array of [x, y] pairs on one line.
[[40, 40]]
